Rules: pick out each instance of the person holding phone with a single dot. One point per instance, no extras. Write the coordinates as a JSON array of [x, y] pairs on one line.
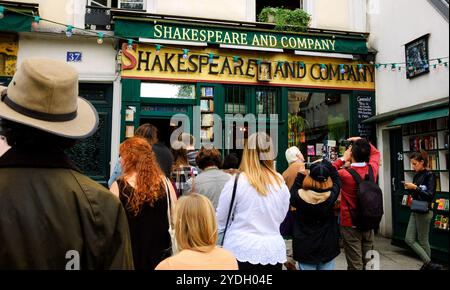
[[422, 190]]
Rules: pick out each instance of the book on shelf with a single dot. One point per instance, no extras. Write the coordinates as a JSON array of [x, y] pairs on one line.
[[207, 120], [207, 91], [438, 183], [207, 133], [207, 105], [423, 143], [419, 127]]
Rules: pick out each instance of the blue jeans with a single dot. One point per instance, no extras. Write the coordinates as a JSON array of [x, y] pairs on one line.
[[322, 266]]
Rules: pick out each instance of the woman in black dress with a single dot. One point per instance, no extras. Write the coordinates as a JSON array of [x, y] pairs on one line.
[[145, 193]]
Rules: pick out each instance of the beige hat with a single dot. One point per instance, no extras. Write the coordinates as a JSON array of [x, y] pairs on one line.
[[292, 154], [44, 94]]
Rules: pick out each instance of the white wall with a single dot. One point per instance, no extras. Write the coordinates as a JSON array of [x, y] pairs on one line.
[[346, 15], [393, 25], [239, 10]]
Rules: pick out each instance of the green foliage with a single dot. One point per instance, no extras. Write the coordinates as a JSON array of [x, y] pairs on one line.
[[285, 19]]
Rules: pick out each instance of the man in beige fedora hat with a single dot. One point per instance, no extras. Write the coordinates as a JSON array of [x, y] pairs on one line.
[[51, 215]]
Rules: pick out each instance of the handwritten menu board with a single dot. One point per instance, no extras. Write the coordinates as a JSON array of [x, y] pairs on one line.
[[365, 109]]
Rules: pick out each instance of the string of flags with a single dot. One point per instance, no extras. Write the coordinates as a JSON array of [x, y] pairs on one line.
[[434, 63]]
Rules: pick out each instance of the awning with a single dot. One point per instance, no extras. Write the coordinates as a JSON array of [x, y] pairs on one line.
[[15, 23], [423, 116]]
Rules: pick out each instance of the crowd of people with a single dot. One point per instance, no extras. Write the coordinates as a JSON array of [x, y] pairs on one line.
[[176, 208]]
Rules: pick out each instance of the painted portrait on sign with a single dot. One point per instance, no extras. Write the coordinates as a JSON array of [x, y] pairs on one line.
[[416, 53], [264, 72]]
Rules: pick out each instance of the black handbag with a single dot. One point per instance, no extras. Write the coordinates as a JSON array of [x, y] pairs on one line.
[[419, 206]]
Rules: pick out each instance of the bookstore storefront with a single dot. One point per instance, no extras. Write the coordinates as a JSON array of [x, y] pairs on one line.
[[312, 102]]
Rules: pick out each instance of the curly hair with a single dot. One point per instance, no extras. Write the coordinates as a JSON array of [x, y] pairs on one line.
[[138, 157], [208, 157]]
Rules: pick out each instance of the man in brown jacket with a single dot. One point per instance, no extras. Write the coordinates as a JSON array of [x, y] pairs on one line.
[[51, 215]]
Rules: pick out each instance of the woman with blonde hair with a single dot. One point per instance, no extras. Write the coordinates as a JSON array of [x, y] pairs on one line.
[[196, 236], [252, 206], [146, 195]]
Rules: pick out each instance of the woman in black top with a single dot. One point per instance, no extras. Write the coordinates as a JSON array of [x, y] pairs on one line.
[[422, 190], [145, 194], [316, 239]]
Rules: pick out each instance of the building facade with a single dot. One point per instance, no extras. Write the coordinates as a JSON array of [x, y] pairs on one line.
[[412, 95]]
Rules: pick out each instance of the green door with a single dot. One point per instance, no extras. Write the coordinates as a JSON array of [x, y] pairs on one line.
[[92, 155]]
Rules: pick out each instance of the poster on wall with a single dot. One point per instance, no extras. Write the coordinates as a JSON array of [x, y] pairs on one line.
[[416, 53], [8, 55]]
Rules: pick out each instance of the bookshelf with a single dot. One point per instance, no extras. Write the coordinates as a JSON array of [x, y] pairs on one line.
[[433, 137], [207, 113]]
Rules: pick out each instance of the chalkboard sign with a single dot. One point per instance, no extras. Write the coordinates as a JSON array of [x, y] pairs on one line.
[[365, 109]]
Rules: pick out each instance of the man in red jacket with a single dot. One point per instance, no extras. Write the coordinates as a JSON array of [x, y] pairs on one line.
[[356, 243]]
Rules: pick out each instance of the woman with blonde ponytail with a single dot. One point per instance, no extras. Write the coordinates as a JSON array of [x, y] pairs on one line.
[[260, 205], [146, 195]]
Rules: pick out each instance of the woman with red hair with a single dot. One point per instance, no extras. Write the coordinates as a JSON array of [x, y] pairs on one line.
[[146, 195]]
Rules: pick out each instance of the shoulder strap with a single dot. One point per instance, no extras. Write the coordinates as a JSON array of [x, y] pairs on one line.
[[371, 174], [233, 195], [355, 175]]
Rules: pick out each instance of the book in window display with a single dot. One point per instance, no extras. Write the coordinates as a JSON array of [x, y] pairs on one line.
[[207, 92]]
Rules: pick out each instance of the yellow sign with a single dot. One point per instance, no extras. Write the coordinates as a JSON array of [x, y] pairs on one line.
[[8, 55], [243, 67]]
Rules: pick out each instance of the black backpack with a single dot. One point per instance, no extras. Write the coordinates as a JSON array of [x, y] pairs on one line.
[[369, 202]]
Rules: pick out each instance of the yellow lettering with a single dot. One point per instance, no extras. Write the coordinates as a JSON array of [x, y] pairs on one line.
[[317, 45], [332, 42], [255, 41], [310, 43], [325, 44], [292, 42], [202, 35], [186, 34], [210, 35], [235, 37], [284, 42], [195, 34], [158, 32], [167, 32], [301, 43], [176, 34], [273, 41], [219, 36], [264, 40], [226, 38], [244, 38]]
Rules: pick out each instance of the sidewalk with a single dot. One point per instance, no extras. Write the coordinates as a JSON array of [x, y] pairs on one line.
[[392, 257]]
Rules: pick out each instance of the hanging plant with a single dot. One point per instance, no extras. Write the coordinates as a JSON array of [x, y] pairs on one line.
[[285, 19]]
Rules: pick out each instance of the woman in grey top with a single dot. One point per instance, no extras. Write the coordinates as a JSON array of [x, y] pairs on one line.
[[211, 180]]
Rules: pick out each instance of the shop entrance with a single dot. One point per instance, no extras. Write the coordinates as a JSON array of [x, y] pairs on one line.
[[164, 128]]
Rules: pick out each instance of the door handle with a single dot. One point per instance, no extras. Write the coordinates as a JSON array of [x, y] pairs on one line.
[[393, 184]]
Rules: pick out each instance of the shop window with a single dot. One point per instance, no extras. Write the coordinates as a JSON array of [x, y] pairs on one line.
[[266, 101], [167, 91], [318, 123], [235, 100]]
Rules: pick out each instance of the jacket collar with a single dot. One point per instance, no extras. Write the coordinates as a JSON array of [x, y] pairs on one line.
[[36, 158]]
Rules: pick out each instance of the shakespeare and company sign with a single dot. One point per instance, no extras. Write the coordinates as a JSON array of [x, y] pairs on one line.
[[294, 41], [143, 62]]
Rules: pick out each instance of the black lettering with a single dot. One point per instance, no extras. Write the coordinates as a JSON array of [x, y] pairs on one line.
[[226, 65], [334, 72], [213, 65], [181, 63], [203, 60], [250, 67], [371, 71], [239, 66], [301, 70], [324, 73], [157, 61], [278, 69], [289, 68], [194, 64], [351, 73], [314, 68], [168, 63], [144, 60]]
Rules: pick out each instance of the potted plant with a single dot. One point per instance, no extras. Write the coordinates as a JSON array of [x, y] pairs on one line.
[[285, 19]]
